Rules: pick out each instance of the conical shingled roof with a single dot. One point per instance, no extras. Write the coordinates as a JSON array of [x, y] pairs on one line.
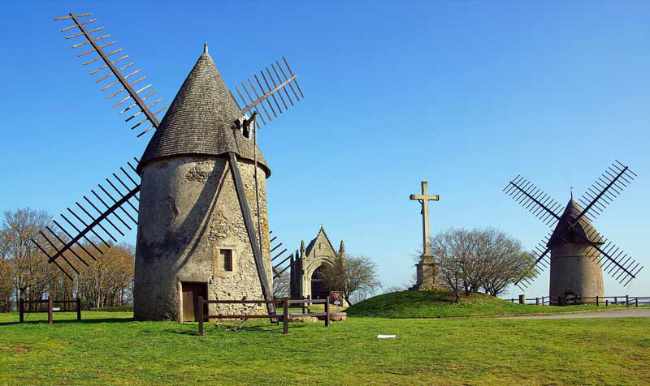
[[580, 233], [200, 119]]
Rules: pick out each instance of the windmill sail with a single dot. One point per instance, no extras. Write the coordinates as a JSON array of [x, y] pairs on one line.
[[267, 93], [536, 201], [77, 234], [618, 264], [113, 69], [605, 189], [278, 257], [541, 255]]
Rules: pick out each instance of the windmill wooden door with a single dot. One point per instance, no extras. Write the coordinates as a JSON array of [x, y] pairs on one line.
[[191, 293]]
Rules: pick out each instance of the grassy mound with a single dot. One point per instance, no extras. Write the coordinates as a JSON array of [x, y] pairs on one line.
[[440, 304]]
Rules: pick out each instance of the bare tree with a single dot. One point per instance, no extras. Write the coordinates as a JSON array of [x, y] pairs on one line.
[[28, 265], [108, 281], [503, 261], [6, 286], [474, 260], [355, 276]]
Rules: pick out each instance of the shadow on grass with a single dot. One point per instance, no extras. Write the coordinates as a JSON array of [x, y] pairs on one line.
[[232, 328], [71, 321]]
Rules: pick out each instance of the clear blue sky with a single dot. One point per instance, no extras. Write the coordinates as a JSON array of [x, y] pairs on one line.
[[464, 94]]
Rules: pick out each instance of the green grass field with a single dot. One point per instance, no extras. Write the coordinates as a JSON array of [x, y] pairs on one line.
[[110, 348], [430, 304]]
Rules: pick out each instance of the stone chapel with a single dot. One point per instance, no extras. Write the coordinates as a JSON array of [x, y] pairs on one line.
[[306, 275]]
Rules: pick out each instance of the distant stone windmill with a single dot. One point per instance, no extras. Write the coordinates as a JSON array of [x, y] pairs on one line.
[[578, 253], [198, 234]]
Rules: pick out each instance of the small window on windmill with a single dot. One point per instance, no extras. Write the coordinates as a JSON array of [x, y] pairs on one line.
[[226, 259]]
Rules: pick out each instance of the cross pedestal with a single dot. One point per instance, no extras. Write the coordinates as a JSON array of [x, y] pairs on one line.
[[426, 268]]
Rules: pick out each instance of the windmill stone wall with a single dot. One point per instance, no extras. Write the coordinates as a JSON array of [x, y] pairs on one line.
[[575, 271], [186, 218], [190, 214]]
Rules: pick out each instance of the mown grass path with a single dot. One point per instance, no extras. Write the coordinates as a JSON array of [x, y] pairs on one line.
[[109, 348]]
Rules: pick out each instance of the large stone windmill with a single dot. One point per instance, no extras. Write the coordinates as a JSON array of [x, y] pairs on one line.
[[578, 253], [200, 208]]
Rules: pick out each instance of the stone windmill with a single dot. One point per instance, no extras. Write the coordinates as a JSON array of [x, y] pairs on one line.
[[200, 207], [578, 253]]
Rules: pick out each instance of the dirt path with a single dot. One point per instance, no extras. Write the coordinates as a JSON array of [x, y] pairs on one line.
[[630, 313]]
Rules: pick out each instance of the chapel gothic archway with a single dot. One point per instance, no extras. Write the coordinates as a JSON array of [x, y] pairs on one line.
[[306, 277]]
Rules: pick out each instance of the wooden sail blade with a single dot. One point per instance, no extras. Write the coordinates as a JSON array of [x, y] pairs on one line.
[[268, 91], [618, 264], [77, 234], [541, 253], [115, 71], [605, 189], [537, 202]]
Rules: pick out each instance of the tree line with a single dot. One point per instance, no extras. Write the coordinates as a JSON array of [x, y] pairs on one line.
[[25, 272]]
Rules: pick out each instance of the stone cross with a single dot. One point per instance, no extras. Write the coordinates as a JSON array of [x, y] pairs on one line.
[[424, 199]]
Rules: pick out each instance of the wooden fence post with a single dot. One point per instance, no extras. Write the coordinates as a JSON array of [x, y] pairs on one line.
[[636, 301], [327, 313], [309, 304], [606, 302], [21, 309], [615, 299], [521, 299], [627, 300], [199, 313], [285, 316], [597, 304], [50, 310], [78, 308], [537, 301], [303, 305]]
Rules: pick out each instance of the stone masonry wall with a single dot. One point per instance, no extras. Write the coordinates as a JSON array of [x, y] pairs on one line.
[[183, 223]]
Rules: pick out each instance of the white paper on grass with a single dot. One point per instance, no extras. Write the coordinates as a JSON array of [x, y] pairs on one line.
[[381, 336]]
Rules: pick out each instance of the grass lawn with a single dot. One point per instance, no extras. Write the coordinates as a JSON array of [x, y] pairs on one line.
[[110, 348], [433, 304]]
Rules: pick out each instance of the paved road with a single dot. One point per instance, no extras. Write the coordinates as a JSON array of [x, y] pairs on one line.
[[630, 313]]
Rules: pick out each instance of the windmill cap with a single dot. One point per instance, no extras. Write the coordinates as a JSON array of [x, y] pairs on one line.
[[200, 121], [568, 230]]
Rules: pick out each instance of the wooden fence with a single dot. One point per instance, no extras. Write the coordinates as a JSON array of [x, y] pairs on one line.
[[22, 310], [284, 318], [626, 300]]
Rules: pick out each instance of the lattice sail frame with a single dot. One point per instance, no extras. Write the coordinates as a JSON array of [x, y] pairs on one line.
[[622, 267], [279, 267], [121, 79], [107, 208], [117, 74]]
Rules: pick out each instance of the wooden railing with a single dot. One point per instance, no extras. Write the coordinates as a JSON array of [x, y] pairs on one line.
[[201, 305], [50, 308], [626, 300]]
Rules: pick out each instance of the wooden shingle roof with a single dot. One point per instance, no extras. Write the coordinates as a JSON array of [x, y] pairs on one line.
[[200, 121], [568, 231]]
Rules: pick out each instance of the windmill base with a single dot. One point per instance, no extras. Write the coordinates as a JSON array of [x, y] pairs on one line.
[[575, 274]]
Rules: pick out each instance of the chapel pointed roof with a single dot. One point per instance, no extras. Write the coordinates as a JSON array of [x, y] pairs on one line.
[[568, 230], [200, 120], [312, 243]]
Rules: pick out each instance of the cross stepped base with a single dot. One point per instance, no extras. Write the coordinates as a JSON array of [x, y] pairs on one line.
[[426, 274]]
